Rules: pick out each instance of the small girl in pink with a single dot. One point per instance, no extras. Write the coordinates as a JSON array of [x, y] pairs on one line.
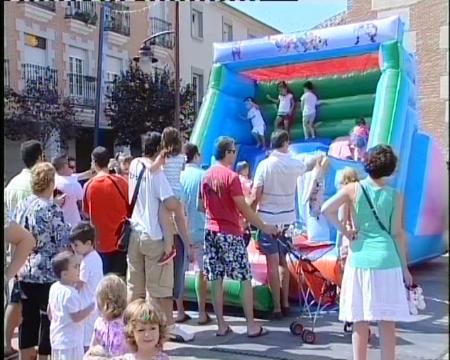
[[111, 297], [359, 138]]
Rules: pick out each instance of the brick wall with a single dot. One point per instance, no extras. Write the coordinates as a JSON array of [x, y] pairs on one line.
[[427, 35]]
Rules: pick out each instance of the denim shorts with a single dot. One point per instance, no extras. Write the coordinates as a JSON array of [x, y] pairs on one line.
[[269, 245]]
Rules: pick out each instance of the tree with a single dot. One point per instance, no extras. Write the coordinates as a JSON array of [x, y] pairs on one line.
[[39, 112], [140, 102]]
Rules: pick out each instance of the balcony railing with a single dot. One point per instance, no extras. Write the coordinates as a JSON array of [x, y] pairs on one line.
[[47, 5], [159, 25], [82, 90], [82, 10], [40, 75], [6, 80], [118, 22]]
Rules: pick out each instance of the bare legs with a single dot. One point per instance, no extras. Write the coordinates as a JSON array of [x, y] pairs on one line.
[[201, 287], [13, 317], [360, 340], [260, 140], [308, 129], [276, 268], [247, 302]]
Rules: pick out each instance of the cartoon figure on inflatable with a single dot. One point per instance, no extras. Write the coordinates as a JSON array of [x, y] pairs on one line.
[[358, 70]]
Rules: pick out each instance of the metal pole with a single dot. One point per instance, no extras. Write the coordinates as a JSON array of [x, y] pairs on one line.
[[98, 89], [177, 67]]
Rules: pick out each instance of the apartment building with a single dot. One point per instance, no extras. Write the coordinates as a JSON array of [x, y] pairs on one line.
[[426, 35], [61, 39]]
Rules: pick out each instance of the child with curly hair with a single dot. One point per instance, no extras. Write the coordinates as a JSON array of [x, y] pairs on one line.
[[145, 331], [111, 296]]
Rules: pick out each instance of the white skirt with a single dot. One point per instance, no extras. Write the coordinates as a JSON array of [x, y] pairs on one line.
[[373, 295]]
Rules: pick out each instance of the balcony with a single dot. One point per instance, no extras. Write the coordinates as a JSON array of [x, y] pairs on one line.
[[46, 5], [40, 75], [83, 11], [6, 77], [116, 21], [82, 90], [159, 25]]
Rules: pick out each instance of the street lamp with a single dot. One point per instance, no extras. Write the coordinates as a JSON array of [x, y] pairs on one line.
[[146, 58]]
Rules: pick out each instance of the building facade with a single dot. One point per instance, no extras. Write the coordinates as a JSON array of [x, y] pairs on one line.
[[426, 35], [62, 39]]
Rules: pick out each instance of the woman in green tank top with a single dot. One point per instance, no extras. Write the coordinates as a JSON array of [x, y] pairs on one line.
[[376, 272]]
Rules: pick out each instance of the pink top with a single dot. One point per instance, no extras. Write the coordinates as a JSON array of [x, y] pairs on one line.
[[159, 356], [361, 130], [246, 186], [110, 335]]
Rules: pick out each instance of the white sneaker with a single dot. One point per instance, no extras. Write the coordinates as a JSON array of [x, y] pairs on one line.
[[177, 334]]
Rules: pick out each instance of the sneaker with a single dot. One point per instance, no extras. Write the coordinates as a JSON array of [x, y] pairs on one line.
[[167, 257], [176, 333]]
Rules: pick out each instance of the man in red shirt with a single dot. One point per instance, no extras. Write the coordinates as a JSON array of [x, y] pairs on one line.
[[225, 250], [105, 203]]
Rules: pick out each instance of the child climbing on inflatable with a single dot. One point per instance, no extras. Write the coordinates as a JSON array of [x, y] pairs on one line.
[[258, 124], [359, 138], [286, 106], [308, 103]]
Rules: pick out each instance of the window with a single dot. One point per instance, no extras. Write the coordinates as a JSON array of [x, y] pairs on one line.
[[110, 77], [197, 84], [35, 41], [76, 76], [250, 35], [227, 33], [197, 24]]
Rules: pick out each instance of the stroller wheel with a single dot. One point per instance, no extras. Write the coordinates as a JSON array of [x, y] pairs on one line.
[[296, 328], [348, 327], [308, 337]]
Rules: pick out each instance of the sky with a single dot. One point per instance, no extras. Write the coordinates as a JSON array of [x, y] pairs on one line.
[[291, 16]]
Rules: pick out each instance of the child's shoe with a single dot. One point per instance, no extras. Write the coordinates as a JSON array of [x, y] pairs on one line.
[[167, 257]]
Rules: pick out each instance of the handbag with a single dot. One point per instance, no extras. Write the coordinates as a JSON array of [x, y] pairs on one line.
[[414, 293], [124, 229]]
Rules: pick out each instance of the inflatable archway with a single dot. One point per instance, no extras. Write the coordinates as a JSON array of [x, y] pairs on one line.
[[357, 70]]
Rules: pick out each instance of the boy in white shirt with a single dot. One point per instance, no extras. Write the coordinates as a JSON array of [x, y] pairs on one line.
[[82, 238], [258, 124], [308, 103], [65, 310]]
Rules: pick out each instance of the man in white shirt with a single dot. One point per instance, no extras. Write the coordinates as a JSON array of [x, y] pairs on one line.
[[146, 246], [274, 190], [308, 103], [66, 184]]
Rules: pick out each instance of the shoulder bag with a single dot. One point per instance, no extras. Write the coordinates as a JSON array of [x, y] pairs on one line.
[[123, 231]]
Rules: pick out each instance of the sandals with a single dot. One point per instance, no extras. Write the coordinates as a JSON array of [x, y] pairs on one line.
[[260, 333], [183, 320], [227, 332], [205, 322]]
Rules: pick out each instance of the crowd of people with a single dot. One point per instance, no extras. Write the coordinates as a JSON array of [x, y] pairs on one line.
[[71, 277]]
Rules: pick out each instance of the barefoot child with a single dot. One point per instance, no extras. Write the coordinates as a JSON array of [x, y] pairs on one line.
[[145, 331], [286, 105], [111, 299], [65, 309], [258, 124], [173, 162], [308, 103], [82, 238]]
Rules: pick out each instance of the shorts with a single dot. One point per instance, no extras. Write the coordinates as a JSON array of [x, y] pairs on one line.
[[68, 354], [114, 262], [258, 130], [269, 245], [15, 294], [359, 142], [180, 265], [35, 327], [309, 118], [143, 273], [225, 255]]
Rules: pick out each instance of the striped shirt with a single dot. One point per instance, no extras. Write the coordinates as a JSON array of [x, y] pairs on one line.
[[173, 167]]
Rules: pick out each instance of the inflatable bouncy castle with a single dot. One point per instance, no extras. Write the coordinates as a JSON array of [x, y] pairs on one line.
[[358, 70]]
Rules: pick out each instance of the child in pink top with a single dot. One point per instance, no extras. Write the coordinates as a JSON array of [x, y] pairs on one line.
[[243, 169], [359, 138], [109, 327]]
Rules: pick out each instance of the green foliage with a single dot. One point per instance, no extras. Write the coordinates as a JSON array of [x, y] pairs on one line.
[[139, 102], [38, 112]]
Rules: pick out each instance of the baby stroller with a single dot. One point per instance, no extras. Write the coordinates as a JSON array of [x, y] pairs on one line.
[[322, 289]]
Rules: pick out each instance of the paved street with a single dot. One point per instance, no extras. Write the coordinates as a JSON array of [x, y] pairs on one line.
[[425, 339]]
